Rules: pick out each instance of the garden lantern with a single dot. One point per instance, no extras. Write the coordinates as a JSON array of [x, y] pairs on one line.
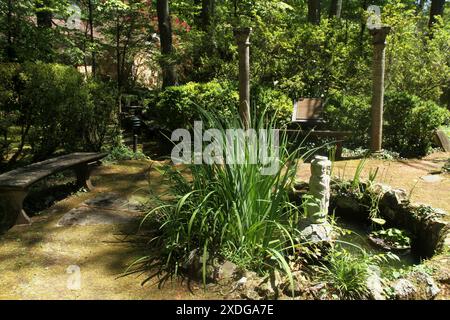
[[136, 125]]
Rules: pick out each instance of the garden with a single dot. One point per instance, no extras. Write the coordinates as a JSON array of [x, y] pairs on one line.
[[237, 150]]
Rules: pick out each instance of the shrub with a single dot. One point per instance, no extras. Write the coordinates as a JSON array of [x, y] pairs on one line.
[[122, 152], [277, 105], [99, 116], [50, 107], [176, 107], [349, 113], [54, 98], [410, 123]]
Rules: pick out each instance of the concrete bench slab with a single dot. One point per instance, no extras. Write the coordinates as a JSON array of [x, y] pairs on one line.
[[15, 184]]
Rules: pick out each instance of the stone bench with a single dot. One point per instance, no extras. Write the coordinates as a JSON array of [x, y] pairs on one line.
[[15, 184], [309, 113]]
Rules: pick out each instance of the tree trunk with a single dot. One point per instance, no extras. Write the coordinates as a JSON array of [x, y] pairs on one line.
[[118, 67], [10, 48], [206, 13], [44, 16], [165, 34], [91, 30], [314, 11], [436, 9], [335, 9]]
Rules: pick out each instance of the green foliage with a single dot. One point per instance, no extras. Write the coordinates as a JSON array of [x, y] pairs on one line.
[[415, 62], [230, 211], [177, 107], [410, 123], [346, 273], [393, 237], [274, 103], [53, 108], [349, 113], [121, 152]]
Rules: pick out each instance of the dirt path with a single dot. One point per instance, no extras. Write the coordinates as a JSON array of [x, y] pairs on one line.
[[34, 259], [406, 174]]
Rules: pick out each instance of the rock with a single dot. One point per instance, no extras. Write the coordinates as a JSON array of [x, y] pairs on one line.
[[316, 291], [426, 283], [249, 288], [375, 286], [227, 270], [432, 178], [266, 290], [301, 185], [317, 233], [298, 287], [349, 204], [381, 188], [394, 198], [404, 289], [83, 216]]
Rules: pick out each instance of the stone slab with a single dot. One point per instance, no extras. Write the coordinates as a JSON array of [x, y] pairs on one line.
[[83, 216], [432, 178], [106, 208], [443, 139]]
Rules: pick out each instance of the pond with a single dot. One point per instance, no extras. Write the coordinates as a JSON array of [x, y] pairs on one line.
[[357, 237]]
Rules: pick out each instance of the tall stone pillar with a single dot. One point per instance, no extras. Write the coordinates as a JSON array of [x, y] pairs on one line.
[[379, 44], [242, 36]]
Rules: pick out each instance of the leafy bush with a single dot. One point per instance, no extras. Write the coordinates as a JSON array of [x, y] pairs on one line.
[[349, 113], [346, 272], [410, 123], [54, 98], [176, 107], [122, 152], [52, 108], [275, 104]]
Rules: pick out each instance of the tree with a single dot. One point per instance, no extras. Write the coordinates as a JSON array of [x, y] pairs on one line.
[[335, 9], [436, 9], [165, 34], [314, 11], [91, 34], [44, 13]]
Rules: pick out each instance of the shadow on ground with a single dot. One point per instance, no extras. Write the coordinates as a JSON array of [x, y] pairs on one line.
[[34, 259]]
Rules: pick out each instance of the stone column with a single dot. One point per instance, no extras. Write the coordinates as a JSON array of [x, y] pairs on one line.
[[379, 44], [242, 36]]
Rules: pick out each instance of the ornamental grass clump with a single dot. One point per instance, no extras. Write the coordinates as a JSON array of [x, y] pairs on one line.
[[227, 211]]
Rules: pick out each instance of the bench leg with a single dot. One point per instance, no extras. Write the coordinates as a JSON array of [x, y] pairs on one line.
[[339, 150], [12, 206], [83, 174]]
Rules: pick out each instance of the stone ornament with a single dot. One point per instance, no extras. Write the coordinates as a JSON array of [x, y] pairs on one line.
[[319, 189]]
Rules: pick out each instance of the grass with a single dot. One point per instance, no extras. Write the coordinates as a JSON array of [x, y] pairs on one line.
[[225, 211]]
